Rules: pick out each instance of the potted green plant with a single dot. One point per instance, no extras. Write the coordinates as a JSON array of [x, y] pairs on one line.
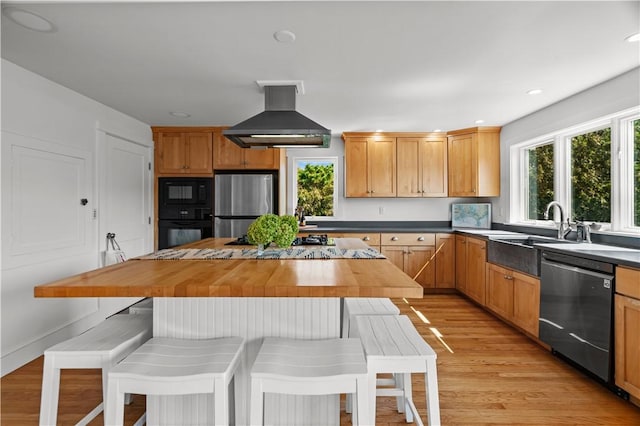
[[270, 228]]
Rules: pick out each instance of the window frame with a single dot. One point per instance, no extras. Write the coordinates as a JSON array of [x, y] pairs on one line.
[[621, 125], [292, 193]]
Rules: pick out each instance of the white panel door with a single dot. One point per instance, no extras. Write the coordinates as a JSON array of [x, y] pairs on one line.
[[46, 185], [125, 195]]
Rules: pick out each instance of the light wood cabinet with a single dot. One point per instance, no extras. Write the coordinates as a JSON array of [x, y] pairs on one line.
[[371, 239], [229, 156], [627, 324], [445, 261], [183, 152], [514, 296], [370, 166], [422, 166], [474, 162], [471, 262], [413, 253], [461, 263]]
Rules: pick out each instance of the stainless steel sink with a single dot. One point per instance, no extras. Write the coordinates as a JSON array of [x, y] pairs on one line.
[[518, 252]]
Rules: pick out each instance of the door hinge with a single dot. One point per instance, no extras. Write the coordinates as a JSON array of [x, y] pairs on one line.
[[149, 220], [149, 165]]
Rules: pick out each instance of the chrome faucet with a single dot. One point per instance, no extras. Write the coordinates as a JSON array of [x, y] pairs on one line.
[[563, 227]]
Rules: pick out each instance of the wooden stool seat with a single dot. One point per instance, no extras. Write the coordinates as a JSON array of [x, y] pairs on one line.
[[100, 347], [393, 345], [166, 366], [309, 367], [365, 306]]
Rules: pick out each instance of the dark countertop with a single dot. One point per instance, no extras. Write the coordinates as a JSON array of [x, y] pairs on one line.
[[601, 252]]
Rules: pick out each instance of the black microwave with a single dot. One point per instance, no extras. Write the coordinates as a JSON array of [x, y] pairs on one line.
[[176, 193]]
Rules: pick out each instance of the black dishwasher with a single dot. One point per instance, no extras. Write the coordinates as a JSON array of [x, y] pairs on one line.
[[576, 311]]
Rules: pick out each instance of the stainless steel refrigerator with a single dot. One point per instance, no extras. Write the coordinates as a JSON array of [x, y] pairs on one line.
[[239, 198]]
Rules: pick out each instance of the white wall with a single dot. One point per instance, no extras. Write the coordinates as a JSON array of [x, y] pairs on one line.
[[38, 114], [369, 209], [609, 97]]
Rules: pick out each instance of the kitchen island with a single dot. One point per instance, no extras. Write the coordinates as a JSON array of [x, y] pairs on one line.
[[252, 298]]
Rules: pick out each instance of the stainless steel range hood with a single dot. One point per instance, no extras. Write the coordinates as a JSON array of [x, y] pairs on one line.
[[280, 125]]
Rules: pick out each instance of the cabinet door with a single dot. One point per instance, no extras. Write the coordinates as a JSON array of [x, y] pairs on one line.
[[226, 154], [382, 166], [262, 159], [420, 261], [395, 255], [461, 263], [171, 153], [433, 167], [463, 154], [356, 170], [499, 296], [445, 261], [526, 302], [627, 344], [476, 261], [408, 166], [199, 148]]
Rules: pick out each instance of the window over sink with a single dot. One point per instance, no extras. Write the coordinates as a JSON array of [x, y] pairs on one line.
[[592, 169]]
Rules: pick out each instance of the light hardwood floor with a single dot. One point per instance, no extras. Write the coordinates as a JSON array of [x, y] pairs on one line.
[[488, 373]]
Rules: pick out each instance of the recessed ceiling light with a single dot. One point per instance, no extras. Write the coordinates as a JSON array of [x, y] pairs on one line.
[[437, 130], [180, 114], [379, 130], [534, 92], [479, 121], [284, 36], [633, 37], [28, 20]]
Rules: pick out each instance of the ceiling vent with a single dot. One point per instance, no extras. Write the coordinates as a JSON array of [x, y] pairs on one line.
[[280, 125]]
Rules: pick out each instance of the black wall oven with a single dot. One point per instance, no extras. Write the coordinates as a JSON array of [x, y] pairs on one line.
[[184, 210]]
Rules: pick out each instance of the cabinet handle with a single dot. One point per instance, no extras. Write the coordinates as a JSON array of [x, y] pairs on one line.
[[394, 238], [372, 191], [366, 239], [420, 238]]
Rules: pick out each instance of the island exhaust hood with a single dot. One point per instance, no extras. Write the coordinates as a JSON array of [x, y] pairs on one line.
[[280, 125]]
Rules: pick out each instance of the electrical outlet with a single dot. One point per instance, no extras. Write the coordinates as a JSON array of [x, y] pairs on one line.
[[380, 210]]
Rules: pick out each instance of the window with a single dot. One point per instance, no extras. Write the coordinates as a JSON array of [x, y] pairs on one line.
[[636, 172], [591, 176], [315, 186], [578, 168], [539, 179]]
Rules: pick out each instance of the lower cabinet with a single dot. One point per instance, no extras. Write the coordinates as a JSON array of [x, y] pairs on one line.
[[514, 296], [445, 261], [627, 324], [413, 253], [475, 261]]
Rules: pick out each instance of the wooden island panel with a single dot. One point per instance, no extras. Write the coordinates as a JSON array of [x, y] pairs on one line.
[[238, 278]]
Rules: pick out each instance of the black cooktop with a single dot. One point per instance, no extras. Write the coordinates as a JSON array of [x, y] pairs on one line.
[[309, 240]]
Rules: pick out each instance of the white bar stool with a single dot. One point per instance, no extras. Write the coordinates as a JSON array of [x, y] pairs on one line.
[[354, 306], [144, 306], [100, 347], [393, 345], [365, 306], [309, 367], [166, 366]]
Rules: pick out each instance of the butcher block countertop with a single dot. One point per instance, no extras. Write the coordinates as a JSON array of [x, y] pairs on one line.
[[240, 277]]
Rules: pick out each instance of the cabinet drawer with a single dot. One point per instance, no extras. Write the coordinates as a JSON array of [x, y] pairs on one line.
[[370, 239], [628, 282], [400, 239]]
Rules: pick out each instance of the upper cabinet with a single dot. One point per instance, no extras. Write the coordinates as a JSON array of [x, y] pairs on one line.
[[227, 155], [183, 151], [370, 163], [474, 162], [422, 166]]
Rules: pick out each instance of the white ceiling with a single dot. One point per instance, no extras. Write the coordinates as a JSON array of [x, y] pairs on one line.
[[397, 66]]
